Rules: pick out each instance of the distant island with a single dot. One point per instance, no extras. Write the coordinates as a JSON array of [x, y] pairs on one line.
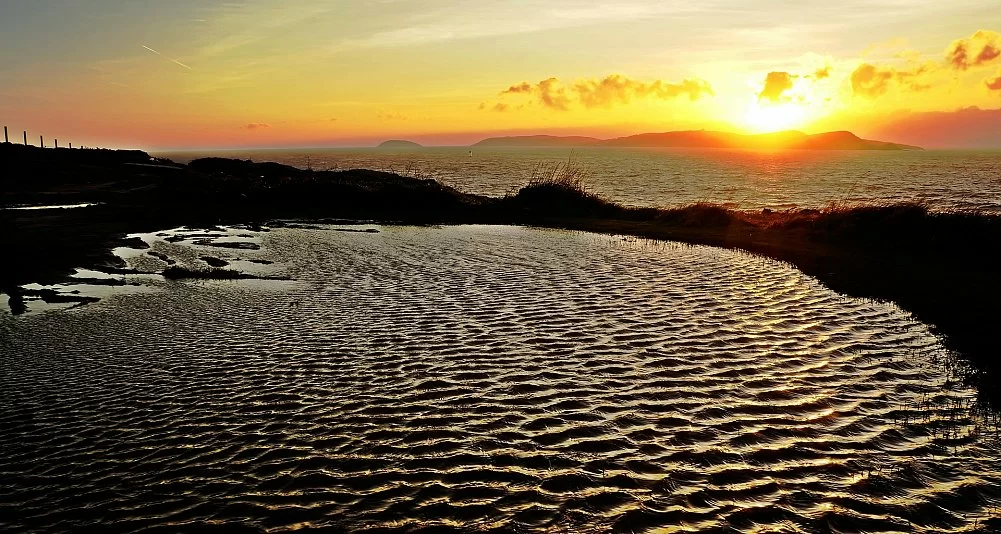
[[706, 139], [399, 143], [539, 140]]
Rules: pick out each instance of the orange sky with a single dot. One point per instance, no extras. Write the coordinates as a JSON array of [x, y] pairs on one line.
[[261, 73]]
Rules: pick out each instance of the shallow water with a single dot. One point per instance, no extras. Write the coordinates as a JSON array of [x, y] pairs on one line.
[[488, 377], [51, 207], [944, 180]]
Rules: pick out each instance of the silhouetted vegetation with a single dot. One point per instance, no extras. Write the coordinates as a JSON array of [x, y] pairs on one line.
[[559, 189]]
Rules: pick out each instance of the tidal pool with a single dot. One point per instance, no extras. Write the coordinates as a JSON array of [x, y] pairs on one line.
[[487, 378]]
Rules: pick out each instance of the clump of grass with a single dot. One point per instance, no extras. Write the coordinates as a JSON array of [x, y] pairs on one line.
[[561, 189], [702, 214], [420, 170], [567, 175]]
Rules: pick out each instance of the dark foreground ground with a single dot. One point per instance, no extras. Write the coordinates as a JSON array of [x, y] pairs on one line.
[[939, 266]]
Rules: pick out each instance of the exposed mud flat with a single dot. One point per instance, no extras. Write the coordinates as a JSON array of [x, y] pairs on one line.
[[486, 378], [143, 264]]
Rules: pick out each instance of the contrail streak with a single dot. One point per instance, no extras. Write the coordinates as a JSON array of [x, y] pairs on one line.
[[165, 57]]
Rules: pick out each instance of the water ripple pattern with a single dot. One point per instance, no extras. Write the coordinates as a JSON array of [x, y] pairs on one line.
[[489, 378]]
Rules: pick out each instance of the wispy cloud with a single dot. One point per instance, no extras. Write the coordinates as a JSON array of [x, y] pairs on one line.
[[166, 57], [257, 126], [457, 21]]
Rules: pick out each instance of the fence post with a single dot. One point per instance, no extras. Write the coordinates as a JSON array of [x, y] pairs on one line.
[[56, 142], [71, 146], [26, 138], [5, 140], [41, 142]]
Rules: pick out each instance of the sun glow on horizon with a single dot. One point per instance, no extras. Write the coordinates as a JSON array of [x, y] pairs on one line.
[[766, 117]]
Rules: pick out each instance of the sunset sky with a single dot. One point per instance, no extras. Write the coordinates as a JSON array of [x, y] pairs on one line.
[[255, 73]]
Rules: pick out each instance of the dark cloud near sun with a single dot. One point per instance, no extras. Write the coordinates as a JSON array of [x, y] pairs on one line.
[[979, 49], [523, 87], [994, 84], [776, 83], [605, 92], [779, 83], [871, 81]]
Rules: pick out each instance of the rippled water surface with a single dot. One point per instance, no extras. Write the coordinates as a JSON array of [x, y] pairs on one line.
[[944, 180], [487, 378]]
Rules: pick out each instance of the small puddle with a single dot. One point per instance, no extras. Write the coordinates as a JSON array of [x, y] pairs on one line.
[[52, 206]]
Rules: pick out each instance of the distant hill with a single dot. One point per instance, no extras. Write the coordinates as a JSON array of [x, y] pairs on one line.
[[709, 139], [399, 143], [539, 140]]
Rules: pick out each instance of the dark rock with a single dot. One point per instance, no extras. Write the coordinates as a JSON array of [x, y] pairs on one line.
[[181, 273], [136, 243], [214, 262], [109, 269], [359, 230], [239, 246]]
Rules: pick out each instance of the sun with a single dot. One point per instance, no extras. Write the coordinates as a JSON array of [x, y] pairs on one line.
[[764, 117]]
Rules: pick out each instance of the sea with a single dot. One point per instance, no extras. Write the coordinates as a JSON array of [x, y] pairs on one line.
[[942, 180], [480, 378]]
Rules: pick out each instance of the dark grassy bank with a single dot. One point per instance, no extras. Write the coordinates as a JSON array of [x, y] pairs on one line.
[[935, 265]]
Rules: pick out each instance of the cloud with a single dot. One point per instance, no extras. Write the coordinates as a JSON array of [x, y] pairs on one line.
[[995, 84], [523, 87], [981, 48], [257, 126], [500, 107], [779, 83], [606, 92], [620, 89], [871, 81], [417, 23], [553, 95], [166, 57], [776, 83]]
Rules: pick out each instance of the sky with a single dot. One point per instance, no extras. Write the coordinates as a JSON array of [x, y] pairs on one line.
[[270, 73]]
